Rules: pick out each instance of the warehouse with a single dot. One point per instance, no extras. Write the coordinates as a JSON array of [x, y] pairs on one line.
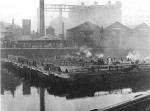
[[43, 42], [88, 34]]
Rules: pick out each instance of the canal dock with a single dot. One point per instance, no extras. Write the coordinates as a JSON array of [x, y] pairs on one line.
[[138, 103], [33, 71], [34, 68], [32, 65]]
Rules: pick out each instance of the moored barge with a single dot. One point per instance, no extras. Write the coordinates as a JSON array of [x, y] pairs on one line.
[[82, 70]]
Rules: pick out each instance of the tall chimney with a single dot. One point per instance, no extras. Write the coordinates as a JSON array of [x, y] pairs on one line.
[[95, 3], [13, 21], [82, 3], [42, 19], [63, 34]]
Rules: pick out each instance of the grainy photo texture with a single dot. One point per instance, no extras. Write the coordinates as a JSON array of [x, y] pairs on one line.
[[75, 55]]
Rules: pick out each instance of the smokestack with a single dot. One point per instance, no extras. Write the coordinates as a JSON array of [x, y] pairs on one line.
[[82, 3], [42, 19], [95, 3], [63, 35], [60, 22], [13, 21], [109, 2], [26, 26]]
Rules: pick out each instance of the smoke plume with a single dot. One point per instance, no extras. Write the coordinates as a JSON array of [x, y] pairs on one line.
[[136, 55], [99, 55], [86, 51]]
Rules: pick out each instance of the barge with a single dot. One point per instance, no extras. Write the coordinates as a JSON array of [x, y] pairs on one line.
[[77, 68]]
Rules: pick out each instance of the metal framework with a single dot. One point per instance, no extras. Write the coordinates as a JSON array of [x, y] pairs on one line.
[[59, 7]]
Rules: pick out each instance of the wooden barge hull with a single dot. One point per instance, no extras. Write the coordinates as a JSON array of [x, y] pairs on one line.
[[82, 78], [33, 75]]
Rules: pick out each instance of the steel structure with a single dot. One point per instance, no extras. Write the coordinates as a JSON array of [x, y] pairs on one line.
[[52, 8], [59, 8]]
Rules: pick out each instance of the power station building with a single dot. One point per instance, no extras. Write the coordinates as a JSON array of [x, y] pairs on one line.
[[102, 15]]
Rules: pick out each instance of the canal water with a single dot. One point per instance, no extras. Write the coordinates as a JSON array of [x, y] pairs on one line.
[[19, 93]]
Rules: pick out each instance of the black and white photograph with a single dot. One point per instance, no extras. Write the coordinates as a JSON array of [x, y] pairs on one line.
[[74, 55]]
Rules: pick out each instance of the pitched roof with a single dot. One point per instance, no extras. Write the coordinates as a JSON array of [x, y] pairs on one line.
[[86, 26], [117, 26], [142, 26]]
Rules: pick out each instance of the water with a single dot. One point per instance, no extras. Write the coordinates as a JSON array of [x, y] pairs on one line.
[[19, 93]]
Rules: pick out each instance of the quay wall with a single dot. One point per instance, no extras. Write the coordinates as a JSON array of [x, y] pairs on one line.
[[36, 53]]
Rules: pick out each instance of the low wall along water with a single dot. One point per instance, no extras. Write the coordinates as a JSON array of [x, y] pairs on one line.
[[36, 53]]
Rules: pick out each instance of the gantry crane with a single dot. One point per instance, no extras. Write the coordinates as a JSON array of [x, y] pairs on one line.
[[60, 8], [53, 8]]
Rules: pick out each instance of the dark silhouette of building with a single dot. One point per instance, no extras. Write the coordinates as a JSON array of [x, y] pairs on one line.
[[84, 34], [49, 41], [26, 27], [116, 35], [10, 32], [50, 30]]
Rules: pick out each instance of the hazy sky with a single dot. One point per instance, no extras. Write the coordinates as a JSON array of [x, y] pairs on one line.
[[134, 11]]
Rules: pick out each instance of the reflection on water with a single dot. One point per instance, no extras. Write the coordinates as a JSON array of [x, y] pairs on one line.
[[22, 93], [9, 82], [26, 88]]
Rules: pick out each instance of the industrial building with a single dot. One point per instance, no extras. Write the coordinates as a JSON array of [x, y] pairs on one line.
[[9, 32], [114, 36], [140, 37], [26, 27], [49, 41], [102, 15], [88, 34]]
